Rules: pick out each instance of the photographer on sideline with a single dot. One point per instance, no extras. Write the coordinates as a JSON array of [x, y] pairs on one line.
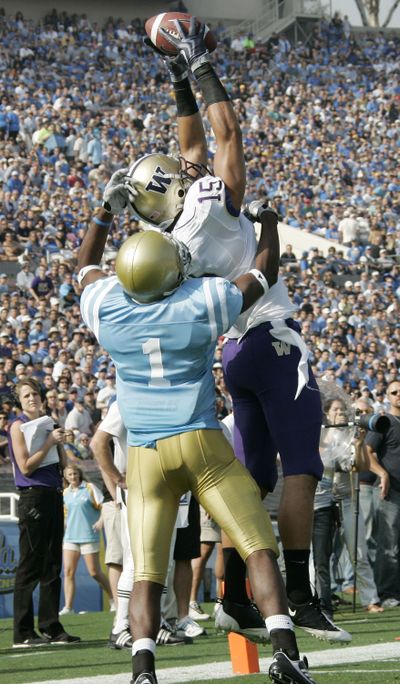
[[384, 455], [341, 449], [369, 490]]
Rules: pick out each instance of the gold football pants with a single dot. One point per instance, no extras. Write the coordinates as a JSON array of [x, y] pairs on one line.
[[201, 461]]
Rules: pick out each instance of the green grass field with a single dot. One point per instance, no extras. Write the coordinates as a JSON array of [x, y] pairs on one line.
[[92, 657]]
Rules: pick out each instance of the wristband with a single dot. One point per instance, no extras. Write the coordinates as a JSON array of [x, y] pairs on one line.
[[85, 270], [261, 279], [210, 85], [186, 104], [101, 223]]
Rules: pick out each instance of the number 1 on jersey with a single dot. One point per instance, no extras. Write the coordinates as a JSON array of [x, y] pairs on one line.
[[153, 349]]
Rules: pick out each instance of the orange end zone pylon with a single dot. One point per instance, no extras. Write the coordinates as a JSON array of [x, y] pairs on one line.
[[244, 654]]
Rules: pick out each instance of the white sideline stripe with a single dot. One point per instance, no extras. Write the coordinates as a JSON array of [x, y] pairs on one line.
[[317, 659]]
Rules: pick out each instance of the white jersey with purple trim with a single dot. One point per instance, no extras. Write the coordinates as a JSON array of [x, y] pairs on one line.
[[223, 243]]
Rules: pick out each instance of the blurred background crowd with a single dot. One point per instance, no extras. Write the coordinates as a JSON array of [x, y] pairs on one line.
[[321, 136]]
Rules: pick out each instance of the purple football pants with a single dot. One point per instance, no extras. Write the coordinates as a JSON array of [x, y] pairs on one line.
[[261, 376]]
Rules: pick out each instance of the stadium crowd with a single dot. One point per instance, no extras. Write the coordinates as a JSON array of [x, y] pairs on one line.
[[320, 129]]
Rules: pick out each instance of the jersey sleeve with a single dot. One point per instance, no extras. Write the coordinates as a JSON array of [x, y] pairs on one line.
[[112, 423], [93, 298], [227, 304]]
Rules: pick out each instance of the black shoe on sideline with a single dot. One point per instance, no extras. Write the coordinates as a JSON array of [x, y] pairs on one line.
[[121, 640], [286, 671], [31, 642], [313, 620], [242, 619], [62, 638], [168, 637]]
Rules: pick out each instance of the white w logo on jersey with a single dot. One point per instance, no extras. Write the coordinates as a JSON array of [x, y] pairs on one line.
[[281, 348]]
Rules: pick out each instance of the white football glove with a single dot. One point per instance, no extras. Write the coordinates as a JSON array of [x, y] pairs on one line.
[[257, 208], [117, 194]]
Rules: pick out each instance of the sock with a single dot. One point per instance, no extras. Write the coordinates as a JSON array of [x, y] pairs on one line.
[[235, 577], [285, 640], [124, 589], [122, 614], [298, 587], [143, 661]]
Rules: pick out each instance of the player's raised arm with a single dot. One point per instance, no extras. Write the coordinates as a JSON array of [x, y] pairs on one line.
[[115, 200], [229, 158], [191, 135], [260, 279]]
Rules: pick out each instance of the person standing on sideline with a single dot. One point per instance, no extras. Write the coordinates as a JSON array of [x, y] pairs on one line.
[[384, 454], [37, 475], [161, 329], [82, 504]]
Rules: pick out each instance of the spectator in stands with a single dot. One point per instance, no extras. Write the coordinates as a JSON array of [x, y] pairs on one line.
[[106, 393], [41, 286], [79, 419], [83, 447], [4, 455]]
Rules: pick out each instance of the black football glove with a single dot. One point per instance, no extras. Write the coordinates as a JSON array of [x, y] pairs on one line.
[[190, 45], [177, 65]]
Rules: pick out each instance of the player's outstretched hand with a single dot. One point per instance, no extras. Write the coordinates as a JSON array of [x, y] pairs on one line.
[[255, 210], [177, 66], [191, 44], [116, 193]]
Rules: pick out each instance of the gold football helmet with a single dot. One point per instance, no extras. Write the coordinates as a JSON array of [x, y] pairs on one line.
[[151, 266], [158, 189]]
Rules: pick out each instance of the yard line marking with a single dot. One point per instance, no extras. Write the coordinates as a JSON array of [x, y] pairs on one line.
[[318, 659]]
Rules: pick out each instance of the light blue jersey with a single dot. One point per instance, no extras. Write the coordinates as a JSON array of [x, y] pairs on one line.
[[163, 352], [82, 510]]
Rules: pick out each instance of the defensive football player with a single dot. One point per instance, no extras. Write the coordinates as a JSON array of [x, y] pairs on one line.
[[160, 329]]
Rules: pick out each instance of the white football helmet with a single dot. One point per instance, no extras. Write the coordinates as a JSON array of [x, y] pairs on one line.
[[159, 185]]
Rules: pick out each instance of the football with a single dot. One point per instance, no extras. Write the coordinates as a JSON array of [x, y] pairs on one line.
[[165, 20]]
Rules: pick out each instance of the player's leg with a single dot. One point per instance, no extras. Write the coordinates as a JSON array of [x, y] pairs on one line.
[[152, 509], [70, 562], [295, 429], [92, 561], [120, 636], [216, 477], [187, 546], [255, 449], [210, 535], [111, 515]]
